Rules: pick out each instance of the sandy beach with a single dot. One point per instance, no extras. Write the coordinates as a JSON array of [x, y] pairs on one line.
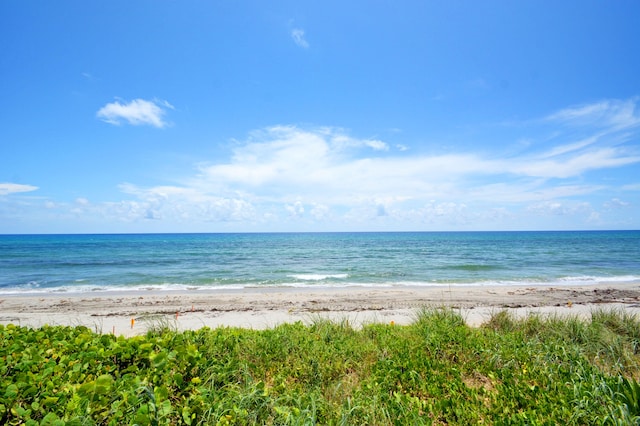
[[112, 312]]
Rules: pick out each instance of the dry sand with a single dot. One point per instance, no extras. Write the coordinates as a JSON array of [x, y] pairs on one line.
[[112, 312]]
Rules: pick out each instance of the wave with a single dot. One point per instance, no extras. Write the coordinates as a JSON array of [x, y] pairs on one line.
[[317, 277], [311, 281], [582, 279], [472, 267]]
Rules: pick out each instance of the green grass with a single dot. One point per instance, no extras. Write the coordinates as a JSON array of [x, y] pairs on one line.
[[537, 370]]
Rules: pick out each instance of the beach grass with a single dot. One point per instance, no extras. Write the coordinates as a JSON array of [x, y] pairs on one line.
[[438, 370]]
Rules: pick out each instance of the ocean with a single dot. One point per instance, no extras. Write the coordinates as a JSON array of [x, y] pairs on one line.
[[32, 264]]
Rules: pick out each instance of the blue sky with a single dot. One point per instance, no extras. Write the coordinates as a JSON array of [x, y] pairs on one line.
[[226, 116]]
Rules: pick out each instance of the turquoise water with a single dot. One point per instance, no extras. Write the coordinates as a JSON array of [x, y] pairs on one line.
[[89, 263]]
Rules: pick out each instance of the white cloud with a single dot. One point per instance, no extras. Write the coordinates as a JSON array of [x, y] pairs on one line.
[[431, 212], [296, 210], [631, 187], [12, 188], [614, 114], [320, 212], [328, 167], [297, 35], [561, 208], [588, 137], [181, 204], [341, 140], [580, 163], [137, 112], [287, 176], [286, 159], [570, 147], [581, 112], [616, 203]]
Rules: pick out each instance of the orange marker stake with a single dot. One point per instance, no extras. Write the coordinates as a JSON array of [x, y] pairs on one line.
[[133, 321], [177, 313]]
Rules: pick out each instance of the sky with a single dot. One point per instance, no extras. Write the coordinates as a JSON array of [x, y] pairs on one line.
[[253, 116]]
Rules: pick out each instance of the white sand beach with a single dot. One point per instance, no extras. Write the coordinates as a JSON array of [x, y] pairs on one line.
[[113, 312]]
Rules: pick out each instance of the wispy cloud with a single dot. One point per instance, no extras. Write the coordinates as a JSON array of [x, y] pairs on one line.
[[587, 137], [136, 112], [297, 34], [575, 165], [631, 187], [11, 188], [616, 203], [612, 114]]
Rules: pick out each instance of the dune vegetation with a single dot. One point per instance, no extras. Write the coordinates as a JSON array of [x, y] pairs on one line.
[[438, 370]]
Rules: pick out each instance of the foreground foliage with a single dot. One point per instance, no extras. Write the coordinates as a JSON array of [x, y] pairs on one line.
[[435, 371]]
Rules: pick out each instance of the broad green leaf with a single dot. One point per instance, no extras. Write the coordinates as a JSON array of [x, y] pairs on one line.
[[11, 392]]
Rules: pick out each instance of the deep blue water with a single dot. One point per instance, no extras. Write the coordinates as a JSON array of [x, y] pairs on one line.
[[57, 263]]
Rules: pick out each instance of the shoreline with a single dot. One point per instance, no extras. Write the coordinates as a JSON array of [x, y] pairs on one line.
[[259, 308]]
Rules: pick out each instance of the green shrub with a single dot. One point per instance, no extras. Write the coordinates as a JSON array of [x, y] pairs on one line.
[[437, 370]]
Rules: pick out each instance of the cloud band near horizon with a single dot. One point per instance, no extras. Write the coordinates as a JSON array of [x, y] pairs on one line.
[[324, 176]]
